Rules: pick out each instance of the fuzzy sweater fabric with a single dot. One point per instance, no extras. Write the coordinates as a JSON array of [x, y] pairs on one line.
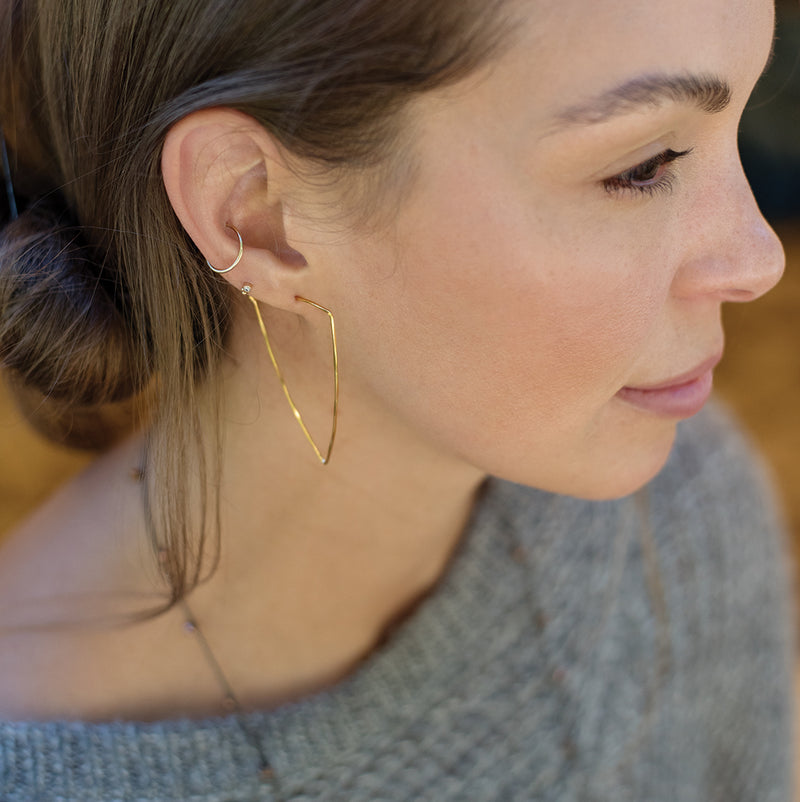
[[574, 651]]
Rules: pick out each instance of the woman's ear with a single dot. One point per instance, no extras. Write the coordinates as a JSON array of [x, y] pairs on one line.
[[222, 170]]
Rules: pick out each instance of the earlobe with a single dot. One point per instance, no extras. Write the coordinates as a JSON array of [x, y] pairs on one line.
[[225, 179]]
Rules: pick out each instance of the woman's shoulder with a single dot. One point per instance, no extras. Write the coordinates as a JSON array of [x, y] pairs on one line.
[[69, 575], [717, 485], [701, 554], [79, 539], [725, 547], [716, 524]]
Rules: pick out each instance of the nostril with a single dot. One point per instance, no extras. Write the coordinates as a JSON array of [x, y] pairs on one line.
[[741, 296]]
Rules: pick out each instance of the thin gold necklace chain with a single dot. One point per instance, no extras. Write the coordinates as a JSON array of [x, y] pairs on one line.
[[231, 701], [190, 625]]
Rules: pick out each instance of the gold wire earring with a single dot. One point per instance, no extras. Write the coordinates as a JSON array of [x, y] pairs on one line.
[[295, 411], [246, 289]]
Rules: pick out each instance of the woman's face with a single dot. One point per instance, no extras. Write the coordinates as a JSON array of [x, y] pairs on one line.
[[576, 217]]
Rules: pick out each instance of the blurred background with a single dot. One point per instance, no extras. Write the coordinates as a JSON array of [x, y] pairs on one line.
[[759, 377]]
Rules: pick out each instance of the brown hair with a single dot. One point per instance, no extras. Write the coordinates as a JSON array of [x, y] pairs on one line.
[[104, 301]]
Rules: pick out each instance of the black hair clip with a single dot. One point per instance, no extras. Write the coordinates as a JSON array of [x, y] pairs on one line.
[[9, 210]]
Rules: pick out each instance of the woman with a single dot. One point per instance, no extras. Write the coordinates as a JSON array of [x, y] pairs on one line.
[[338, 263]]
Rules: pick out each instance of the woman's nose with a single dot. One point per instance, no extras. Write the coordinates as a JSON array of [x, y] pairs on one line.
[[734, 254]]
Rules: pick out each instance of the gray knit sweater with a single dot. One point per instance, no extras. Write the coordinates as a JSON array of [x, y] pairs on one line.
[[543, 667]]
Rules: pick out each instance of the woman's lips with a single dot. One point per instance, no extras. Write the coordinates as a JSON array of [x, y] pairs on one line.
[[679, 397]]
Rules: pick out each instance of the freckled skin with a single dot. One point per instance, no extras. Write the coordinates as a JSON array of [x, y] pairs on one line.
[[513, 296]]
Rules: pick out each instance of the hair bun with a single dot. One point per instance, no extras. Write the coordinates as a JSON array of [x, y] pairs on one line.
[[64, 340]]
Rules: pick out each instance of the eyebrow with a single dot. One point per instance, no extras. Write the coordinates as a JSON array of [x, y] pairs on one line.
[[707, 92]]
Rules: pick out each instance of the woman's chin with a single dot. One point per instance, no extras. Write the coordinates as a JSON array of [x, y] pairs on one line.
[[626, 471], [605, 470]]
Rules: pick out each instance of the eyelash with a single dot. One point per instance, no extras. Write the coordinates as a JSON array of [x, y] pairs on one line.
[[660, 183]]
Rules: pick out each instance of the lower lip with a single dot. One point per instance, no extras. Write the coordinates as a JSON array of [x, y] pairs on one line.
[[677, 401]]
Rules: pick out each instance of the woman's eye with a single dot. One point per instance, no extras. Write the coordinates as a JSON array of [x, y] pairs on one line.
[[646, 173], [649, 177]]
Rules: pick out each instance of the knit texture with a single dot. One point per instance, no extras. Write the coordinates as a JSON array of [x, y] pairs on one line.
[[541, 668]]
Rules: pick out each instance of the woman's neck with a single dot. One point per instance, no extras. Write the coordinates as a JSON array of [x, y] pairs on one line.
[[316, 563], [320, 560]]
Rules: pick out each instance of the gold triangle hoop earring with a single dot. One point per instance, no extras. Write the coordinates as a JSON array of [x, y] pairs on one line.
[[324, 459]]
